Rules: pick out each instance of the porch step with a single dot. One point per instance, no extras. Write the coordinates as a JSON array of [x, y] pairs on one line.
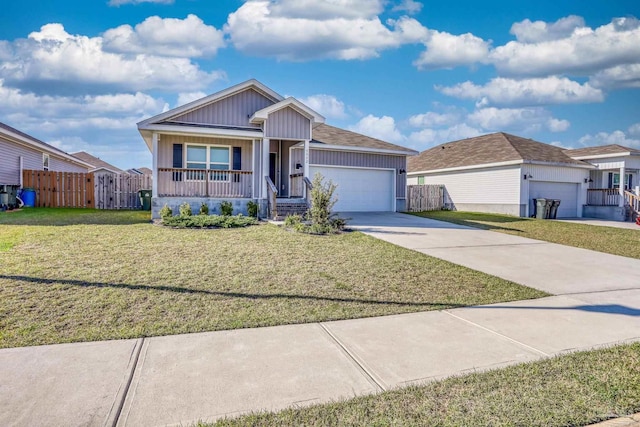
[[288, 207]]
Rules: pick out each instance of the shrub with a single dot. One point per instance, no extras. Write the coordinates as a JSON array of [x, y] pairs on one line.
[[185, 209], [166, 212], [226, 208], [204, 209], [209, 221], [292, 220], [252, 208]]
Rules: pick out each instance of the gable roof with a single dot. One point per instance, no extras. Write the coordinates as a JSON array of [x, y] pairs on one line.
[[262, 115], [25, 139], [333, 137], [603, 150], [495, 148], [95, 161]]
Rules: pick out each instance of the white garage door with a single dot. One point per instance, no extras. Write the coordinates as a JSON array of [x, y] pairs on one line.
[[567, 193], [360, 190]]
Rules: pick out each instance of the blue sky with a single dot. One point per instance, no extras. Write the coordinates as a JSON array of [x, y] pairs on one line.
[[80, 74]]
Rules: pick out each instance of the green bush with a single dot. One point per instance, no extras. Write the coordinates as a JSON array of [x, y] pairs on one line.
[[252, 208], [210, 221], [204, 209], [226, 208], [292, 220], [185, 209], [166, 212]]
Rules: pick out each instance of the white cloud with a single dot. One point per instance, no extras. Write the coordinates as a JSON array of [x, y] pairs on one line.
[[342, 34], [327, 105], [383, 128], [517, 119], [121, 2], [583, 52], [429, 137], [187, 97], [616, 137], [540, 31], [535, 91], [184, 38], [446, 50], [409, 6], [433, 119], [634, 130], [52, 59], [326, 9], [622, 76]]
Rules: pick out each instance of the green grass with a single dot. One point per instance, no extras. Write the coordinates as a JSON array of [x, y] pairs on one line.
[[82, 275], [616, 241], [569, 390]]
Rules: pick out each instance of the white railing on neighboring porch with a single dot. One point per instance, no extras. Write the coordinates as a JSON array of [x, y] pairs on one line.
[[178, 182], [603, 197]]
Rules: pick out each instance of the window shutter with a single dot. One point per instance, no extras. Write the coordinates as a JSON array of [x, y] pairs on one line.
[[237, 158], [610, 185], [177, 161]]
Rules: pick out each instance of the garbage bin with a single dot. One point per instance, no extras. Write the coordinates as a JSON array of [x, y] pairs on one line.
[[28, 197], [145, 199], [554, 208], [540, 208]]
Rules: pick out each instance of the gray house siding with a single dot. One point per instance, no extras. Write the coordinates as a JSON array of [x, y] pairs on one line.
[[234, 110], [165, 148], [288, 123], [363, 160], [10, 154]]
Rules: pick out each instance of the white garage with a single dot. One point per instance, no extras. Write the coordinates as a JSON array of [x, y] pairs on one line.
[[360, 190], [567, 193]]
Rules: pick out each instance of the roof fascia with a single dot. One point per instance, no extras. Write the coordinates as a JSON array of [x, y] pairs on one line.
[[320, 146], [262, 115]]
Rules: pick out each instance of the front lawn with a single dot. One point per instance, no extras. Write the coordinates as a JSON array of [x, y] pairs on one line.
[[569, 390], [616, 241], [81, 275]]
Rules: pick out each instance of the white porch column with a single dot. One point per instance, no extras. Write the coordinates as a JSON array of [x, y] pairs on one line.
[[154, 164], [621, 186], [254, 168], [306, 159], [266, 147]]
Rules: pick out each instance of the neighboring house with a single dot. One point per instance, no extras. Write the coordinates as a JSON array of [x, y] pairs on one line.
[[99, 165], [247, 142], [617, 171], [19, 151], [139, 171], [503, 173]]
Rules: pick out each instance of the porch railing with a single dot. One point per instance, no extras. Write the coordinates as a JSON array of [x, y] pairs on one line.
[[272, 192], [603, 197], [177, 182], [632, 200], [309, 186], [297, 184]]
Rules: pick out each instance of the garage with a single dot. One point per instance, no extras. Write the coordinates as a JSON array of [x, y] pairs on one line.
[[360, 190], [566, 192]]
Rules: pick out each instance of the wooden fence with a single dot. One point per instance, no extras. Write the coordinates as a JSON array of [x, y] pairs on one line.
[[86, 190], [60, 189], [425, 198], [120, 191]]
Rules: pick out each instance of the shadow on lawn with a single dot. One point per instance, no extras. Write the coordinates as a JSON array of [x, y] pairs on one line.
[[471, 220], [176, 289], [72, 216]]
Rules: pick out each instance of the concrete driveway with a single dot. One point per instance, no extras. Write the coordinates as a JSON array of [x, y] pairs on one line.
[[550, 267]]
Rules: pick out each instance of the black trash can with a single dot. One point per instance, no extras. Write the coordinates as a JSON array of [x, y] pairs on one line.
[[145, 199], [553, 212]]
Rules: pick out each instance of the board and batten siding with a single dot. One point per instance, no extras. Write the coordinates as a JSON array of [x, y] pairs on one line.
[[480, 190], [289, 124], [234, 110], [165, 148], [356, 159], [10, 153], [630, 162]]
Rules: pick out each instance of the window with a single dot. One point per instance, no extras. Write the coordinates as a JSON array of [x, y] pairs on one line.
[[421, 180], [209, 157], [616, 181], [45, 161]]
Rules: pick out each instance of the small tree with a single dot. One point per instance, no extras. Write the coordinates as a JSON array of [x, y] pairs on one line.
[[322, 202]]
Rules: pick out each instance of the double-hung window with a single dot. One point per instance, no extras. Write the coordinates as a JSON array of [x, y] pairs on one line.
[[214, 158]]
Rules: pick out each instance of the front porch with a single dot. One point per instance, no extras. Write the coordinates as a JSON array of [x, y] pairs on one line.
[[619, 200]]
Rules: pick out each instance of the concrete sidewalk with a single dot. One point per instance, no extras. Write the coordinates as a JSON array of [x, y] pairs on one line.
[[178, 380]]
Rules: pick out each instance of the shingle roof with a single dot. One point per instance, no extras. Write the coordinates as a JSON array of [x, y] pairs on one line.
[[486, 149], [601, 150], [31, 138], [95, 161], [326, 134]]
